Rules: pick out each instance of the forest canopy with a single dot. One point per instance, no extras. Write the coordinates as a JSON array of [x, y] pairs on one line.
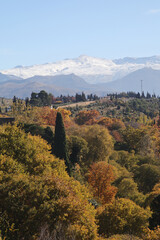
[[105, 184]]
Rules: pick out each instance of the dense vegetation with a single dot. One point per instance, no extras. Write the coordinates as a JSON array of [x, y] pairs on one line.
[[105, 184]]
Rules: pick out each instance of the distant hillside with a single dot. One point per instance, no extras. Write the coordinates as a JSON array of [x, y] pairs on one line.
[[71, 84], [24, 89], [5, 78], [70, 81], [132, 82], [57, 85]]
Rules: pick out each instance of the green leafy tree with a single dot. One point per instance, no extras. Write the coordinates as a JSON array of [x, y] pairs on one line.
[[14, 99], [36, 130], [123, 217], [41, 99], [48, 136], [154, 221], [126, 159], [127, 188], [27, 101], [146, 176], [100, 143], [77, 149]]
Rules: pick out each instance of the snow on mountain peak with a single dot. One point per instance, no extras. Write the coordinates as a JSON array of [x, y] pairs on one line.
[[87, 67], [141, 60]]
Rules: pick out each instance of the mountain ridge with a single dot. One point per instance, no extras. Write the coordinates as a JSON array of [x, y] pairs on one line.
[[126, 79], [132, 82], [87, 67]]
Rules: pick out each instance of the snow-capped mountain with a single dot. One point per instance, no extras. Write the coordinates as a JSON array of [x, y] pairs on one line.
[[91, 69], [141, 60], [88, 74]]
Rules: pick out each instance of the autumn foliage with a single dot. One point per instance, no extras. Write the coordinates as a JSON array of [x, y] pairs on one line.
[[91, 117], [48, 116], [42, 116], [35, 191], [111, 149], [123, 216], [111, 123], [152, 234], [100, 177], [87, 117]]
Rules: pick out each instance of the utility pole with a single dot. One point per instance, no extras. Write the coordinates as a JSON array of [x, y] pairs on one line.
[[141, 87]]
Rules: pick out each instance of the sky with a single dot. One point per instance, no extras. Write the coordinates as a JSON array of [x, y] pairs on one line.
[[41, 31]]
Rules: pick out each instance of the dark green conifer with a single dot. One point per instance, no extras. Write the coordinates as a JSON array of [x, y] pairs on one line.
[[60, 146], [154, 221]]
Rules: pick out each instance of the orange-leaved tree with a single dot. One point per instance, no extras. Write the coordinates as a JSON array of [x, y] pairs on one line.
[[100, 177], [48, 116], [111, 123], [87, 117]]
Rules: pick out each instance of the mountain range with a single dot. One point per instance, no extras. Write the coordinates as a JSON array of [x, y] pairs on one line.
[[88, 74]]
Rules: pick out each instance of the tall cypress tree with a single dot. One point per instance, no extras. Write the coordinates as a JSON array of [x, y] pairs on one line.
[[60, 148]]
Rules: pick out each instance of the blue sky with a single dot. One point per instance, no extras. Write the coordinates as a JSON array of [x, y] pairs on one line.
[[40, 31]]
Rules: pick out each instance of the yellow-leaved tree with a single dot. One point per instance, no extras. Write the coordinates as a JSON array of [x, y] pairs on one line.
[[123, 216], [37, 196], [100, 143]]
